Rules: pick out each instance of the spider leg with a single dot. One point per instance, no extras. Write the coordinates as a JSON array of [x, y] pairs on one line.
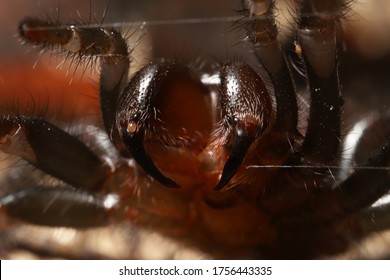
[[61, 155], [87, 42], [367, 184], [375, 218], [321, 144], [358, 193], [367, 166], [53, 151], [263, 33], [55, 206], [111, 47], [317, 36]]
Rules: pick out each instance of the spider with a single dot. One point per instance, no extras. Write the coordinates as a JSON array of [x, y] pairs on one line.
[[231, 167]]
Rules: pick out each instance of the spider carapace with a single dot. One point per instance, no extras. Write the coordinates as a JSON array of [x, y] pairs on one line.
[[224, 167]]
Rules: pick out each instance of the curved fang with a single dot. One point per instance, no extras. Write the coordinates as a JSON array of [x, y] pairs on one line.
[[242, 142], [135, 145], [246, 110]]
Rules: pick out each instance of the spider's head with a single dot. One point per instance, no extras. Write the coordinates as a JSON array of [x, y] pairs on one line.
[[165, 117]]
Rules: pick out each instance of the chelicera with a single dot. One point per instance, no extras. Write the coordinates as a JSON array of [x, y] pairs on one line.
[[209, 174]]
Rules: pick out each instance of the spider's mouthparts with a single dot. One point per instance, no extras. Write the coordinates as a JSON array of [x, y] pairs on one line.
[[134, 143], [242, 142], [246, 109]]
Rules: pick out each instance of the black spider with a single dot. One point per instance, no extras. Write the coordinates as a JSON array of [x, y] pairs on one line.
[[233, 180]]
